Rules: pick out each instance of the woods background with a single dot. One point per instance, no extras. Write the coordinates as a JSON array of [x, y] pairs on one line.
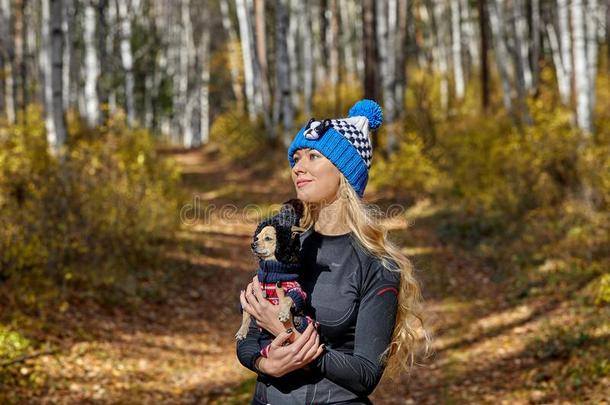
[[124, 123]]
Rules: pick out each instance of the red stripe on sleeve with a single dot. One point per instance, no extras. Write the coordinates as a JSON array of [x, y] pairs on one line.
[[388, 289]]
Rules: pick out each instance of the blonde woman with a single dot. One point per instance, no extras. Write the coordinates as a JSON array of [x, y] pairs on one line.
[[361, 289]]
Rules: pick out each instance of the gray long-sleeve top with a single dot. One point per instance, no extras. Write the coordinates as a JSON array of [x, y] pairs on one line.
[[354, 298]]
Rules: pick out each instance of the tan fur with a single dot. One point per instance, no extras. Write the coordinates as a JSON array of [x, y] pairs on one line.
[[265, 244]]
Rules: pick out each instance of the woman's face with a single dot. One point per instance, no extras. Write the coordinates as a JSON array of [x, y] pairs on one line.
[[316, 179]]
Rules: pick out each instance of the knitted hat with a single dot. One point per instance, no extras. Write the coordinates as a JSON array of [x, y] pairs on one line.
[[343, 141]]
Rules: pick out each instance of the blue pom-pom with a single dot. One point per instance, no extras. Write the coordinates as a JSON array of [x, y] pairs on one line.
[[369, 109]]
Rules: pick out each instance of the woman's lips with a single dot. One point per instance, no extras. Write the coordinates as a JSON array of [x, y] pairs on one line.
[[302, 183]]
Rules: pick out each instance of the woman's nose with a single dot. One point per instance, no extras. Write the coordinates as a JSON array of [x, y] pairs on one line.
[[298, 167]]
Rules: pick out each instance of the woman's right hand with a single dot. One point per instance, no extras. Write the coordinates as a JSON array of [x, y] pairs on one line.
[[283, 359]]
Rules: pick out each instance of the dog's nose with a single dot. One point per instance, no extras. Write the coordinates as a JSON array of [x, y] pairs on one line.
[[253, 245]]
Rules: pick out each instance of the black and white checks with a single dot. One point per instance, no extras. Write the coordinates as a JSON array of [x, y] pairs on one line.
[[358, 138]]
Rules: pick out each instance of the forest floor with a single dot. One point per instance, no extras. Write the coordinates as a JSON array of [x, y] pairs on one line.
[[181, 350]]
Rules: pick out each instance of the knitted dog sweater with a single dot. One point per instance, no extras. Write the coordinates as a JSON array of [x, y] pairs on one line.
[[270, 273]]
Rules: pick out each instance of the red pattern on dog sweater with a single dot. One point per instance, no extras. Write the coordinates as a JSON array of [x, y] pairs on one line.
[[270, 293]]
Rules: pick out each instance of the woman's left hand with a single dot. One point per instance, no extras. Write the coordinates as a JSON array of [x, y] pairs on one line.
[[266, 314]]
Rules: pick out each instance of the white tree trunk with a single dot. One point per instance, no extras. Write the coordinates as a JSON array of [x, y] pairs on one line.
[[522, 44], [456, 41], [332, 43], [496, 22], [356, 11], [535, 50], [283, 104], [470, 34], [401, 59], [582, 81], [51, 60], [307, 56], [442, 52], [91, 67], [563, 80], [347, 29], [318, 52], [229, 29], [204, 88], [127, 58], [68, 29], [566, 49], [293, 59], [111, 21], [186, 53], [8, 52], [592, 23], [522, 71], [247, 49]]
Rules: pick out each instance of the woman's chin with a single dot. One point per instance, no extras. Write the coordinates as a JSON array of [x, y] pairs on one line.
[[305, 195]]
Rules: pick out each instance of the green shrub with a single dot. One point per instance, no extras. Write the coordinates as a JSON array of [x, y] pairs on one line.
[[88, 218], [237, 137]]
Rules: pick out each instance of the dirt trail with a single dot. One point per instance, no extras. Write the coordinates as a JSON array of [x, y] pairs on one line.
[[182, 351]]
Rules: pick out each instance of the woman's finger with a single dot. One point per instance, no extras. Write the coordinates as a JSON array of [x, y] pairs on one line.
[[244, 302], [256, 289], [311, 353], [312, 342], [281, 338], [250, 295], [299, 342]]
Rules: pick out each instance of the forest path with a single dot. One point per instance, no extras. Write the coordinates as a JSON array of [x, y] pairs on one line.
[[182, 350]]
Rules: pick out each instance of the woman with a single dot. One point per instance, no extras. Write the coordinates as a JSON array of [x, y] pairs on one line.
[[360, 287]]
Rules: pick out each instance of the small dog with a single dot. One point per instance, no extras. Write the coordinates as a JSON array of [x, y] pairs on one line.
[[276, 243]]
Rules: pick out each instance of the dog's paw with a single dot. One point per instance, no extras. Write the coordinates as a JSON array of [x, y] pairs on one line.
[[240, 335], [283, 316]]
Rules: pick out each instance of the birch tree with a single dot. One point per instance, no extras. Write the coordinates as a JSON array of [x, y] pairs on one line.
[[253, 98], [592, 23], [51, 60], [282, 103], [318, 27], [307, 56], [233, 50], [582, 81], [438, 14], [291, 41], [470, 36], [91, 66], [204, 87], [261, 74], [481, 4], [332, 47], [369, 35], [496, 23], [185, 106], [456, 49], [7, 55], [124, 16], [565, 50]]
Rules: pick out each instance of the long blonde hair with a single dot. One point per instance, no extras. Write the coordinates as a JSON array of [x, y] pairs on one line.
[[364, 223]]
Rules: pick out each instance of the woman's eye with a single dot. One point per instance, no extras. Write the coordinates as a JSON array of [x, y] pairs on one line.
[[312, 155]]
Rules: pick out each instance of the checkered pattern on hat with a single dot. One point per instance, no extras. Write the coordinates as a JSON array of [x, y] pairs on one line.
[[360, 140]]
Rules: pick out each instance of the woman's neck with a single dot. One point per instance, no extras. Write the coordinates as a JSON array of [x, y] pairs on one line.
[[330, 219]]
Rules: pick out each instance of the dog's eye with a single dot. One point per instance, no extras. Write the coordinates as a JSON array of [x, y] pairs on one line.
[[267, 238]]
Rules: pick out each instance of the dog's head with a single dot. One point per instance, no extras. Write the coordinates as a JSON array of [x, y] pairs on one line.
[[277, 237]]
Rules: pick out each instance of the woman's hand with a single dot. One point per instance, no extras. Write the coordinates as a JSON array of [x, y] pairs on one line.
[[283, 359], [266, 314]]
